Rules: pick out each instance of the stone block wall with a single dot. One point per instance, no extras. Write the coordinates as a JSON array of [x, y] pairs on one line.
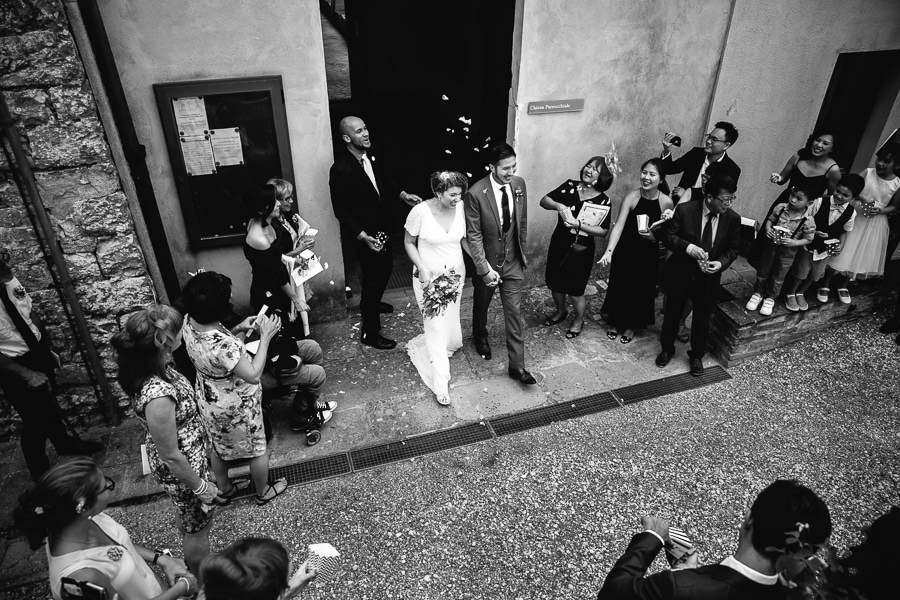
[[45, 86], [737, 334]]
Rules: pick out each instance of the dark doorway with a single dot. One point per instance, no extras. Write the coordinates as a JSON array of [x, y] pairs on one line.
[[431, 80], [862, 90]]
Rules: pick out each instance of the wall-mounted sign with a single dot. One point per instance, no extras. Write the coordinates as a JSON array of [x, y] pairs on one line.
[[555, 106]]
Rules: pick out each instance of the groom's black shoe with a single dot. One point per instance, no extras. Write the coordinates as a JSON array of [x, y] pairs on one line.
[[522, 376], [385, 308], [376, 340], [483, 348]]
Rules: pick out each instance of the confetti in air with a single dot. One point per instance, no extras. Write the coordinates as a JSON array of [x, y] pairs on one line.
[[465, 128], [468, 174], [448, 152], [444, 97], [325, 265]]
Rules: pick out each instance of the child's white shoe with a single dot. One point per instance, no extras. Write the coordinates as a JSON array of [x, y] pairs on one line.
[[844, 295], [822, 295], [767, 306], [753, 302]]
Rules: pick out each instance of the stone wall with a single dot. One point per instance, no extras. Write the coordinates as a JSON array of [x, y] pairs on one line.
[[737, 334], [45, 86]]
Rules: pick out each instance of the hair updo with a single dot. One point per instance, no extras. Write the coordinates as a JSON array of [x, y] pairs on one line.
[[144, 344], [441, 181], [52, 502]]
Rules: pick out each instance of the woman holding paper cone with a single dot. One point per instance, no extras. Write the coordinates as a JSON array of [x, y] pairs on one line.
[[571, 252], [633, 255], [266, 242]]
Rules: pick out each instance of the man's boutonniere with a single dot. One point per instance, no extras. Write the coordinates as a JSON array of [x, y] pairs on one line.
[[295, 218], [519, 193], [371, 159], [19, 292]]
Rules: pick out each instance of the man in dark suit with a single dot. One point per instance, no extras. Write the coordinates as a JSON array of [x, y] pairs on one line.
[[694, 163], [27, 364], [749, 574], [496, 227], [704, 237], [364, 198]]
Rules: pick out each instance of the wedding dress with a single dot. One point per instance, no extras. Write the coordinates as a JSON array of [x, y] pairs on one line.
[[440, 251]]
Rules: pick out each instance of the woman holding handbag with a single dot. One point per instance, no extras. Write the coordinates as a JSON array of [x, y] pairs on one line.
[[633, 255], [571, 253]]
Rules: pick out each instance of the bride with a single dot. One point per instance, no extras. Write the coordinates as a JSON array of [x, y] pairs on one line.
[[435, 238]]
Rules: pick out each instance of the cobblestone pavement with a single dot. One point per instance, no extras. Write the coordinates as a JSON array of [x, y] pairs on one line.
[[545, 513]]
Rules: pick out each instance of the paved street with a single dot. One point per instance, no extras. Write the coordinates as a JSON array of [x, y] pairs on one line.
[[545, 513]]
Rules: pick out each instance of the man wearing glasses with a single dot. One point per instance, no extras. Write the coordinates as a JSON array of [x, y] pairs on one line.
[[704, 236], [693, 164]]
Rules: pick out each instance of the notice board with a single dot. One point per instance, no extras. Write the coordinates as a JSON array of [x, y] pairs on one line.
[[225, 138]]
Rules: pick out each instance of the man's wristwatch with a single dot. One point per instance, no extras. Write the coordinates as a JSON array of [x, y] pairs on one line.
[[159, 553]]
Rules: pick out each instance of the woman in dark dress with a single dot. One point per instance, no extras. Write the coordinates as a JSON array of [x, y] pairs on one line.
[[633, 256], [267, 240], [811, 167], [568, 269]]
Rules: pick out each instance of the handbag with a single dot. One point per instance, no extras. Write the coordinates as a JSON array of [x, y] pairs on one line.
[[574, 253]]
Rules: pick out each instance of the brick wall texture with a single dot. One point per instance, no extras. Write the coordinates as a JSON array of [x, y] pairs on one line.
[[44, 83]]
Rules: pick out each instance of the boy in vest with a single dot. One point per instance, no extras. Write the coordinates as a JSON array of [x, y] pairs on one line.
[[834, 217]]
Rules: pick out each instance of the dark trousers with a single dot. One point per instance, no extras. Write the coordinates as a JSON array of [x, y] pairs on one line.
[[376, 270], [696, 292], [41, 417]]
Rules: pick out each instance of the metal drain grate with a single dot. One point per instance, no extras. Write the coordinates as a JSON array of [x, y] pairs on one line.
[[313, 470], [417, 446], [545, 415], [671, 385]]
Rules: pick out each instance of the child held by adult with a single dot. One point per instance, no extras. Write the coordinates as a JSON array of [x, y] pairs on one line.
[[784, 232], [834, 216]]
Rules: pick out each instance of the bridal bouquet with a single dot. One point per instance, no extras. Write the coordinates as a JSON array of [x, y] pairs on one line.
[[440, 293]]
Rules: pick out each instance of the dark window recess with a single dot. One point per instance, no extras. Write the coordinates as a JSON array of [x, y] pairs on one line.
[[225, 138]]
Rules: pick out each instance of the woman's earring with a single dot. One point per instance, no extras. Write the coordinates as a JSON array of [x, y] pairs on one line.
[[79, 508]]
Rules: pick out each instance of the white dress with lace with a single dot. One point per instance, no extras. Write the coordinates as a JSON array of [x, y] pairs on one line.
[[440, 251]]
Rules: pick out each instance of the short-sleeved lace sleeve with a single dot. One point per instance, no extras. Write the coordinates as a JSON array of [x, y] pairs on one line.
[[414, 220], [154, 387]]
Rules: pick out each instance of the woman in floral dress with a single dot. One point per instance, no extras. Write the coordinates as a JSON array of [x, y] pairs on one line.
[[228, 391], [163, 399]]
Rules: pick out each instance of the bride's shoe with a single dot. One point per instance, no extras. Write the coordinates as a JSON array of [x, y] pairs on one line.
[[443, 399]]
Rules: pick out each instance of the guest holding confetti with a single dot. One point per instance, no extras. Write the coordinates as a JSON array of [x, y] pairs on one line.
[[571, 253]]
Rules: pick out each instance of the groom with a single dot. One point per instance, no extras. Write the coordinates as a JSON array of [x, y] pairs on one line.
[[496, 225]]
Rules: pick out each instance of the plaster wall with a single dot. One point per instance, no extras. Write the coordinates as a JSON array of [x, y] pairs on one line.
[[775, 71], [644, 67], [170, 40]]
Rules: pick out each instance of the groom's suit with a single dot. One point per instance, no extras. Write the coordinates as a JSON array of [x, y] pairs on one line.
[[505, 254]]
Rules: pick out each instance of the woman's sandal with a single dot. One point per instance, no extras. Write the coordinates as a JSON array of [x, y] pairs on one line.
[[236, 486], [625, 339], [443, 399], [571, 335], [262, 499], [549, 321], [612, 334]]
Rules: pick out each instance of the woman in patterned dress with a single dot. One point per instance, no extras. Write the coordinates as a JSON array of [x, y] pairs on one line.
[[228, 391], [163, 399]]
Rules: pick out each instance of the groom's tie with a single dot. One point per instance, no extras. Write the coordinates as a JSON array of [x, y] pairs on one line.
[[504, 203]]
